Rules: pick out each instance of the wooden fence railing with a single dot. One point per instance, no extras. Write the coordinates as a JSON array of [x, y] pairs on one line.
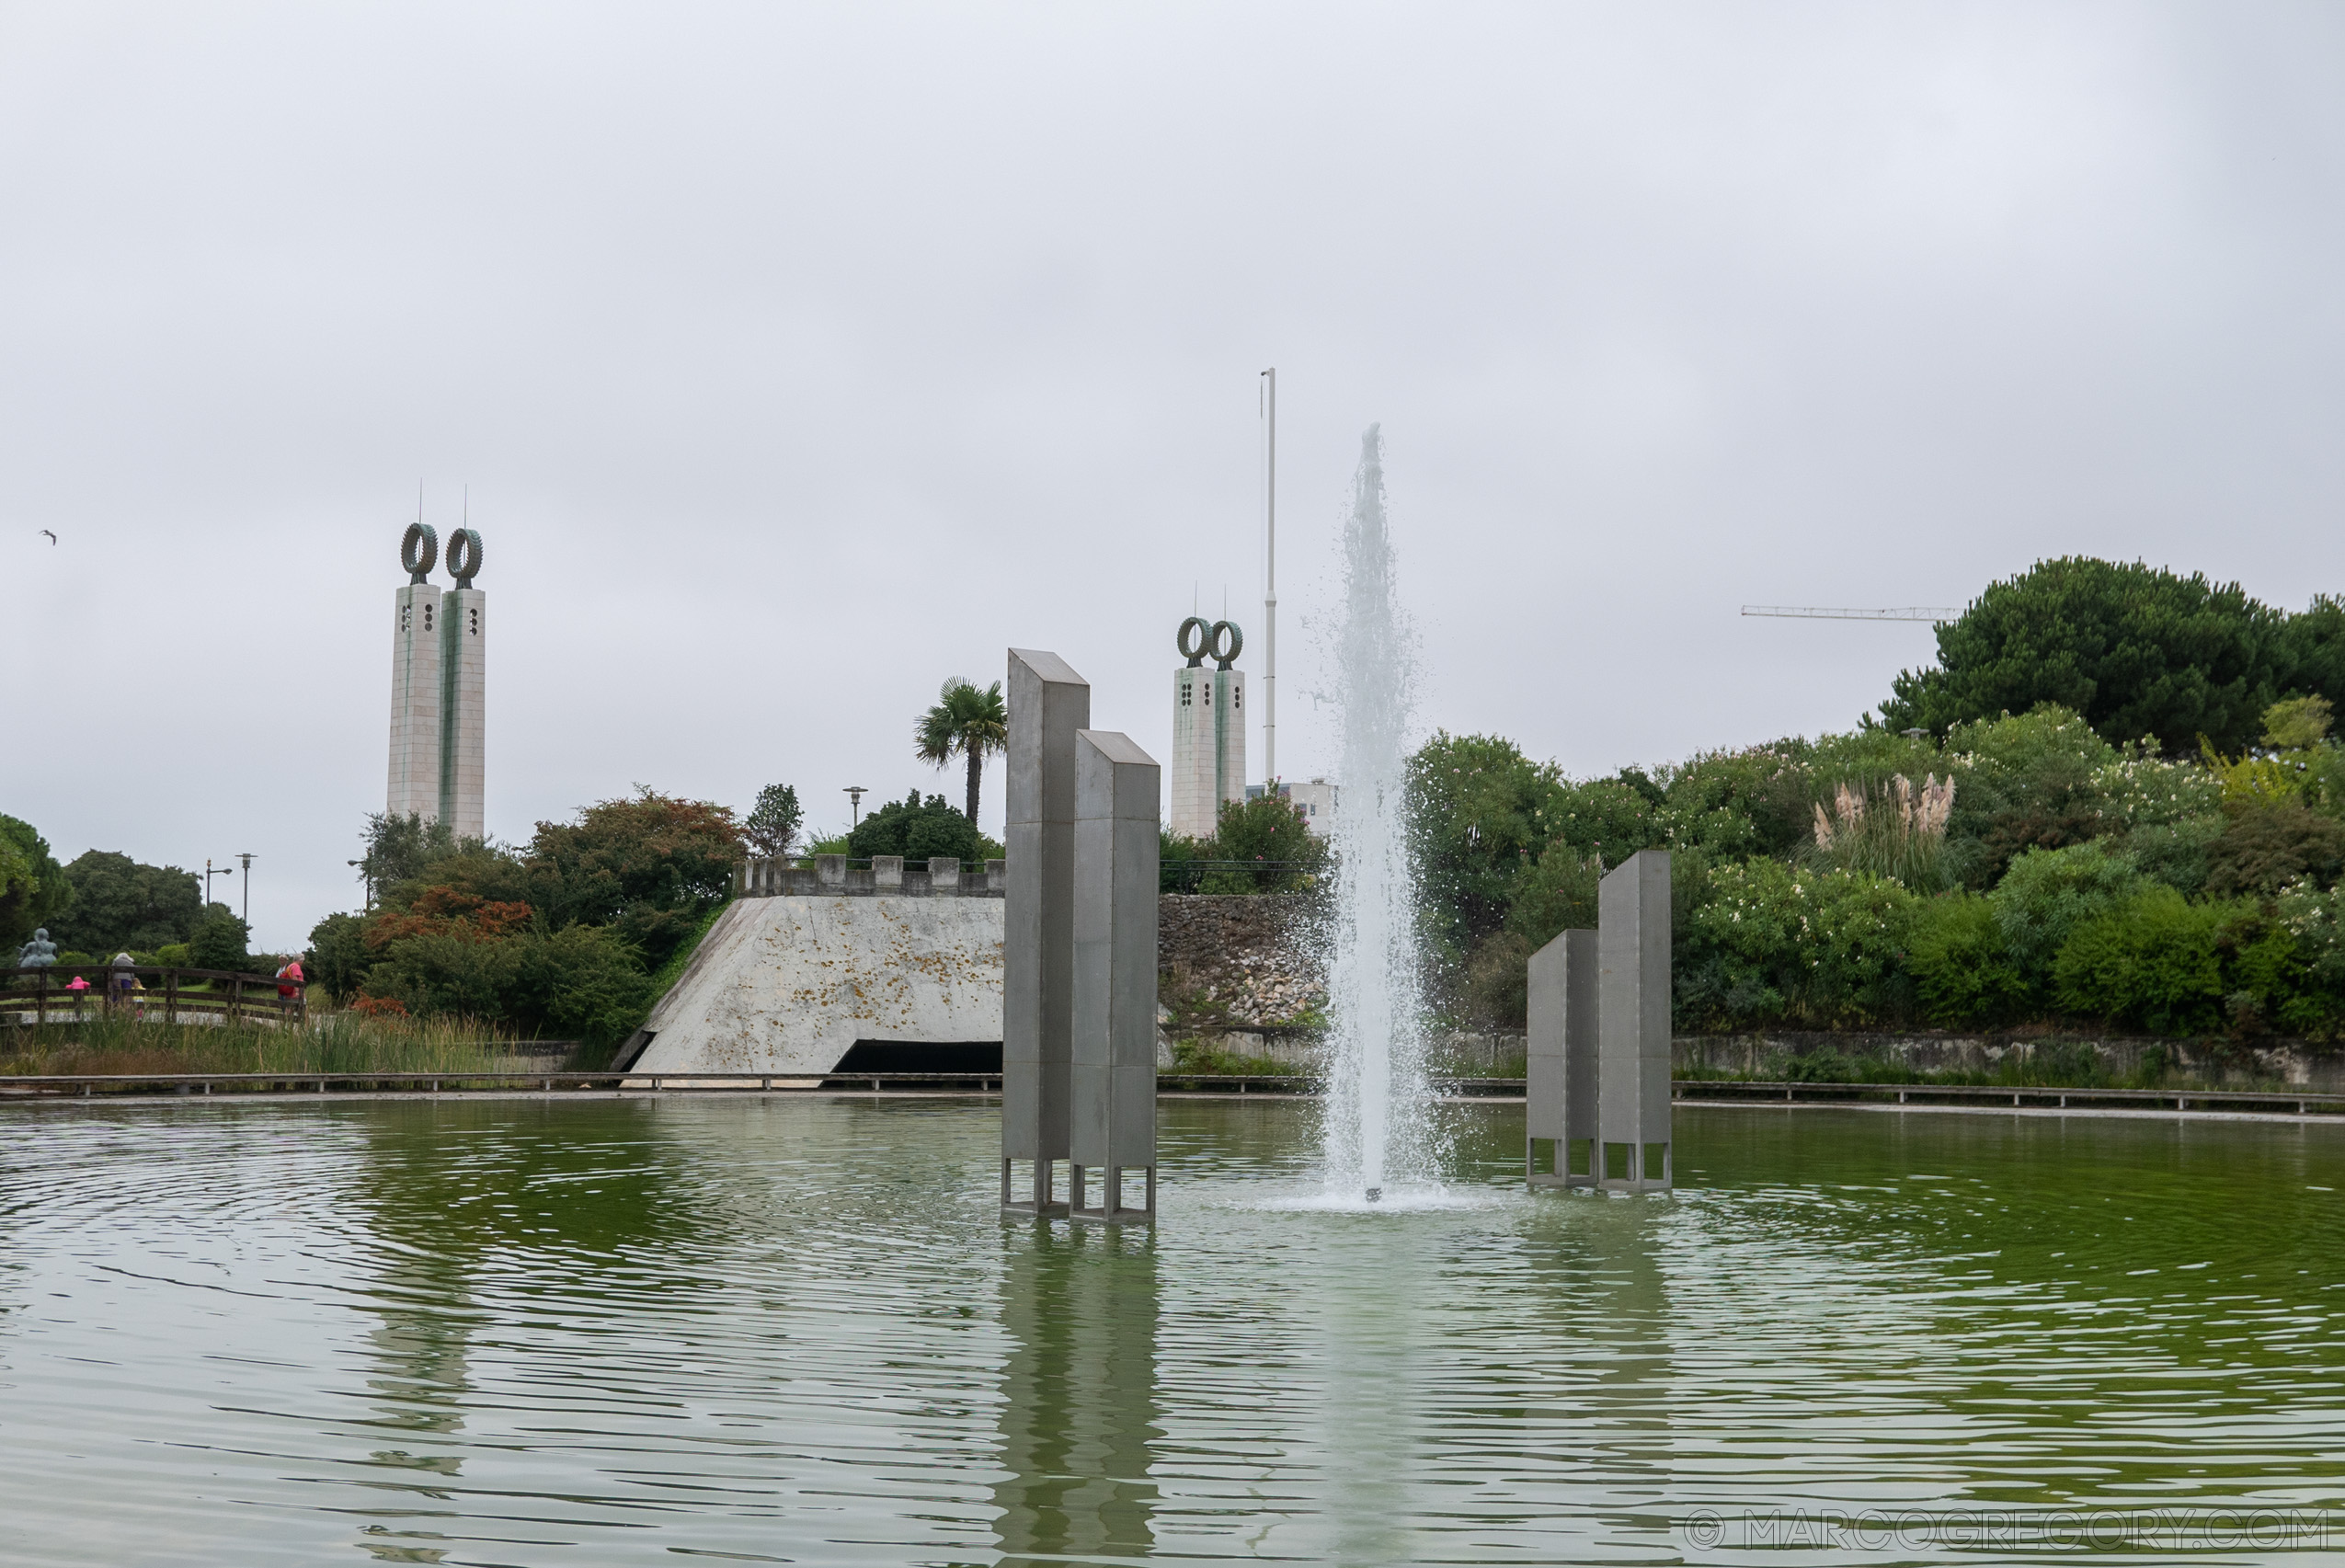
[[150, 992]]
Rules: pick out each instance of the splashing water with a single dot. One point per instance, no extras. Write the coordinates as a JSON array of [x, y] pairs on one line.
[[1377, 1131]]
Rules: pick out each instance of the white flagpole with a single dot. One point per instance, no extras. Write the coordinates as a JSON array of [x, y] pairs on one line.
[[1270, 584]]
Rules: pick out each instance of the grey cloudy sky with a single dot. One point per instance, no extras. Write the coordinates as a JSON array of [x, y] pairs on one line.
[[796, 357]]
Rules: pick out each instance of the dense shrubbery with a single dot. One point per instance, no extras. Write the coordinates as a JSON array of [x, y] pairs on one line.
[[34, 889], [2068, 879], [555, 939], [1768, 944], [920, 831], [1261, 845]]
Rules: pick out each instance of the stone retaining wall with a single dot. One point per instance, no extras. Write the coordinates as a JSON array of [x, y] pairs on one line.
[[1230, 959], [2300, 1065], [2294, 1062]]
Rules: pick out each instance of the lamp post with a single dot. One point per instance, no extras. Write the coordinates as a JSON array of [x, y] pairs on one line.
[[855, 794], [246, 858], [208, 874]]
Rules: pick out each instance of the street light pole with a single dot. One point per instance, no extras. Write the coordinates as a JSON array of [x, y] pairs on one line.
[[208, 874], [248, 916], [854, 794]]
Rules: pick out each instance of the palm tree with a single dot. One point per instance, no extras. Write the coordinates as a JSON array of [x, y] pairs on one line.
[[965, 722]]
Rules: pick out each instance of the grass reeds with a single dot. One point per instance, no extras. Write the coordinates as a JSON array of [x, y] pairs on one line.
[[1899, 832]]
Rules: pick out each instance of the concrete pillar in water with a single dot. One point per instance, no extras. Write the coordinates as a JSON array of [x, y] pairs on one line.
[[1113, 1047], [415, 682], [1560, 1090], [1048, 703], [1632, 1025]]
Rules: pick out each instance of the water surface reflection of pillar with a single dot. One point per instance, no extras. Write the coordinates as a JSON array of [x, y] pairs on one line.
[[1604, 1431], [1079, 1412]]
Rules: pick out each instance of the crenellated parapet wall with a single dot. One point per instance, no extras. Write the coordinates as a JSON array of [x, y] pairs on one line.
[[887, 875]]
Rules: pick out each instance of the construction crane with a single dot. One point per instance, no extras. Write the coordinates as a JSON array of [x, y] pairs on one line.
[[1815, 612]]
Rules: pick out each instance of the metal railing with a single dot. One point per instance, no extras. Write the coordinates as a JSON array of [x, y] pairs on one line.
[[1690, 1091], [46, 994], [31, 1085], [1730, 1090]]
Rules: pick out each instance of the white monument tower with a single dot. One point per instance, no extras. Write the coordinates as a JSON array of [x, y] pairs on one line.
[[1208, 727], [464, 691], [414, 680], [438, 687]]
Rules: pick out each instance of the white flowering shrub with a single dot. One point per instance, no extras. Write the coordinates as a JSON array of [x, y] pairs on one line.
[[2150, 792]]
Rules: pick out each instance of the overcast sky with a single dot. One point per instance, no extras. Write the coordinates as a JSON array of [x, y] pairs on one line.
[[796, 359]]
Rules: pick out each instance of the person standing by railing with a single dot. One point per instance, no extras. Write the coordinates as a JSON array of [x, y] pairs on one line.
[[291, 971]]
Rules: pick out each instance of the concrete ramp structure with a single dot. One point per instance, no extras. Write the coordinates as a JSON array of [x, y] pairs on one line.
[[789, 982]]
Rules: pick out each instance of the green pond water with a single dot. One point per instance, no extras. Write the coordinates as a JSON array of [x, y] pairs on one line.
[[798, 1330]]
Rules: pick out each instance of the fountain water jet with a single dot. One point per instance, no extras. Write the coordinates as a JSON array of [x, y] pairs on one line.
[[1375, 1131]]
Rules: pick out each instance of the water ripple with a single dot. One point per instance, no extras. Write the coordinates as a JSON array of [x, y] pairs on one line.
[[798, 1330]]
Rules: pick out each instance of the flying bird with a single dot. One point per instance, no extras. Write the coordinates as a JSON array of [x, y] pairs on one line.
[[52, 538]]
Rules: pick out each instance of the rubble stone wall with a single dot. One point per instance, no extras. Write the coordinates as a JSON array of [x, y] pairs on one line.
[[1240, 958]]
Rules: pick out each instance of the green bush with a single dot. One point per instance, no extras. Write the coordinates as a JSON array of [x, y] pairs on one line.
[[1498, 980], [1480, 813], [2174, 852], [1962, 973], [2307, 983], [2264, 848], [581, 982], [2137, 790], [1557, 894], [35, 891], [338, 956], [1609, 818], [219, 942], [120, 903], [2027, 781], [918, 830], [2153, 961], [2048, 893], [1770, 944], [1731, 803], [449, 972], [1265, 829], [649, 866]]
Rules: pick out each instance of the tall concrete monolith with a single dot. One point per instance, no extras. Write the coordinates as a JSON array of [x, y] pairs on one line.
[[415, 680], [1048, 704], [464, 692], [1113, 1136], [1560, 1090], [1632, 1025]]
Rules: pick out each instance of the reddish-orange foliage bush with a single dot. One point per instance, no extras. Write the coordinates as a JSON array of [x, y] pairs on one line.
[[451, 910], [378, 1007]]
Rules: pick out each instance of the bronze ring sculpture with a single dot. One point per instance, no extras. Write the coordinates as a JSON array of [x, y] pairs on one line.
[[418, 549], [464, 557], [1193, 640], [1237, 639]]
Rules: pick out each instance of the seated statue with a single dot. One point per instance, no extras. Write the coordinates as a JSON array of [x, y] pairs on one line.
[[38, 953]]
